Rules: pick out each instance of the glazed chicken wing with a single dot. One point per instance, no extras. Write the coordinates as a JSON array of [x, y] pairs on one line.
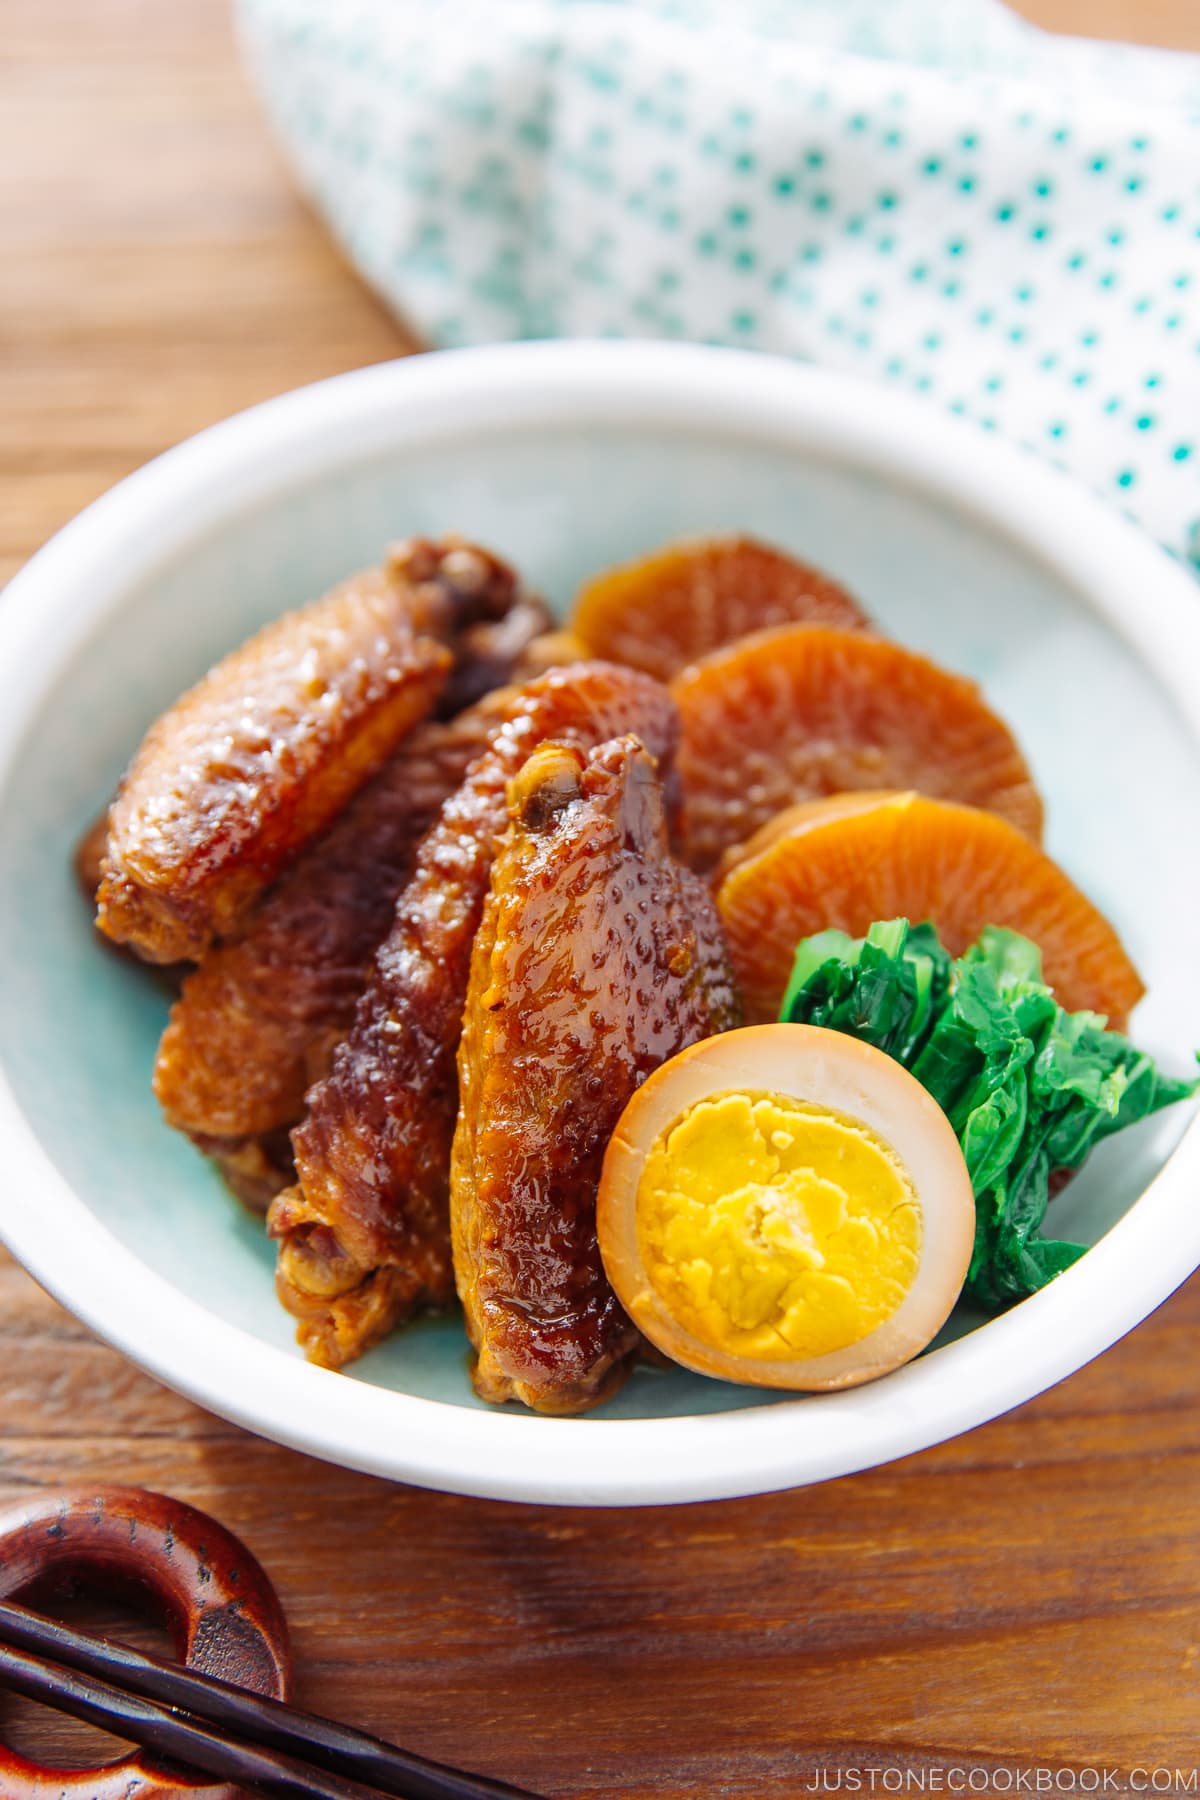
[[257, 759], [495, 652], [365, 1233], [88, 861], [598, 958], [256, 1022]]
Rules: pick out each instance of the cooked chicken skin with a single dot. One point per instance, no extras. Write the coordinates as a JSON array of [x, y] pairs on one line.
[[256, 759], [253, 762], [254, 1168], [365, 1234], [494, 652], [598, 958], [257, 1021], [88, 861]]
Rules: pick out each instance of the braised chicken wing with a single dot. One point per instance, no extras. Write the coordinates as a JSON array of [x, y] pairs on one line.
[[256, 1022], [365, 1233], [262, 754], [88, 861], [598, 958]]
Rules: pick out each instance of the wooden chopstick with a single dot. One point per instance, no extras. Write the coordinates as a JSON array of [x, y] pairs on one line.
[[215, 1726], [175, 1735]]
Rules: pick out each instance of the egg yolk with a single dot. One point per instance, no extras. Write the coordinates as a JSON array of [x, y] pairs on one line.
[[771, 1227]]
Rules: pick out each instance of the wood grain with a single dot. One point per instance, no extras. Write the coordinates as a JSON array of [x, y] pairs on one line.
[[1029, 1593]]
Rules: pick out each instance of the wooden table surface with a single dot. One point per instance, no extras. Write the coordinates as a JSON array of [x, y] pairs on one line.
[[1027, 1594]]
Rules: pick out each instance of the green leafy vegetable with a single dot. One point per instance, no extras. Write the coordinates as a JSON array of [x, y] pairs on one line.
[[1028, 1088]]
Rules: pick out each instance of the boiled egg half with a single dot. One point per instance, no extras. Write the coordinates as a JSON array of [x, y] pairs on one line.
[[787, 1207]]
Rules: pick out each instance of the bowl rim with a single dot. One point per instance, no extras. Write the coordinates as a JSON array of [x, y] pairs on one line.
[[54, 603]]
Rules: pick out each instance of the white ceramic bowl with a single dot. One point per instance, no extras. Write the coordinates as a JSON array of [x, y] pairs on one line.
[[567, 457]]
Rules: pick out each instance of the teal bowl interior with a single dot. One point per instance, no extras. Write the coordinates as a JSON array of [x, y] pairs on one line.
[[78, 1026]]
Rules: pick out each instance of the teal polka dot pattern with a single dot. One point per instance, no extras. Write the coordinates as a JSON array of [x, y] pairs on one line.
[[1003, 222]]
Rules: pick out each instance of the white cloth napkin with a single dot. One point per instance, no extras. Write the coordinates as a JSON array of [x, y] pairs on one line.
[[930, 193]]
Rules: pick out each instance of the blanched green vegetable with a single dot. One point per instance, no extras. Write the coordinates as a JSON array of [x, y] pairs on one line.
[[1028, 1087]]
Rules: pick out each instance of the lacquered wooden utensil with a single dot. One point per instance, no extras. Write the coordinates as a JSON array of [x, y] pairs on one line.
[[220, 1714]]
